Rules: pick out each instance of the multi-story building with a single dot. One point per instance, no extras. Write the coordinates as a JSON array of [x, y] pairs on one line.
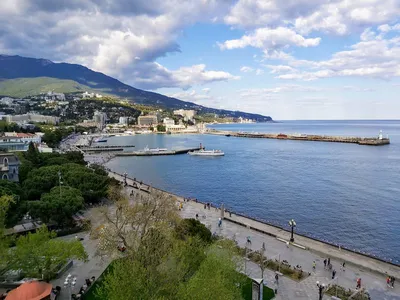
[[25, 137], [27, 118], [168, 121], [123, 120], [100, 118], [148, 120], [187, 115], [13, 143], [9, 166]]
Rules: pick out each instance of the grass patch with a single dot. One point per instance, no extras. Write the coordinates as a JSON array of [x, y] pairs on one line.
[[344, 294]]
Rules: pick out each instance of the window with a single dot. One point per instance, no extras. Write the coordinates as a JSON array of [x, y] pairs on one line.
[[5, 161], [5, 176]]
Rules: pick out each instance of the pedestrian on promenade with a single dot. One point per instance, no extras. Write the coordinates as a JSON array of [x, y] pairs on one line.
[[342, 267], [248, 240], [329, 261], [205, 206], [276, 279], [287, 244], [197, 216], [313, 265], [358, 283], [388, 280], [333, 274], [219, 222], [392, 281], [325, 263]]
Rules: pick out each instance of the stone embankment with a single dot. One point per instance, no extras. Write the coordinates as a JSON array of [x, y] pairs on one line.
[[369, 141]]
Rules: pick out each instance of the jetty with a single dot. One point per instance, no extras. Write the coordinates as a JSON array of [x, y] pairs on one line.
[[157, 153], [105, 148], [368, 141]]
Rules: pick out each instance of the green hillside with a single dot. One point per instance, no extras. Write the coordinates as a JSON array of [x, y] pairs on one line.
[[23, 87]]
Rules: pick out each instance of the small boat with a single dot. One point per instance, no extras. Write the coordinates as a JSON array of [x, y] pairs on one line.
[[203, 152], [100, 141]]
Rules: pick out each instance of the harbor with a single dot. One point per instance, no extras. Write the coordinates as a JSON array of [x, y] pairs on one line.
[[367, 141]]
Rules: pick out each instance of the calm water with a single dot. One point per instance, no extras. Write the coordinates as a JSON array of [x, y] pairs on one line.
[[342, 193]]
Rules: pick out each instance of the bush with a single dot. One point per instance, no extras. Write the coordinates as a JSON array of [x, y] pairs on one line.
[[193, 227]]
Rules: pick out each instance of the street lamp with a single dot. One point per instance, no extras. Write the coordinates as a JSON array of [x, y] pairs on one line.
[[292, 224], [321, 288], [70, 282]]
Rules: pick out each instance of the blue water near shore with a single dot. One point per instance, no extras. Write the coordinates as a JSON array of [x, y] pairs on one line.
[[341, 193]]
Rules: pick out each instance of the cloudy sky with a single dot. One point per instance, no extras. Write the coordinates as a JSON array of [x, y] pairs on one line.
[[291, 59]]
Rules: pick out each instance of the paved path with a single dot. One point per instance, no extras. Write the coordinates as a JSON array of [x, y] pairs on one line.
[[289, 289]]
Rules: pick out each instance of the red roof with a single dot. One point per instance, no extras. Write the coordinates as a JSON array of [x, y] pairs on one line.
[[31, 290]]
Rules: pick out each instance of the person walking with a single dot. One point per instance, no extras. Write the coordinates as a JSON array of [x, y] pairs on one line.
[[248, 240], [392, 281], [388, 280], [276, 278], [313, 265], [219, 222], [329, 261], [342, 267], [333, 274], [325, 263], [358, 283]]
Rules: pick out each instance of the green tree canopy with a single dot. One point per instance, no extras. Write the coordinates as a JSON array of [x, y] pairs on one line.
[[39, 253], [57, 206]]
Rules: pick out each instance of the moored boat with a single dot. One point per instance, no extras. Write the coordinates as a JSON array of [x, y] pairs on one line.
[[203, 152]]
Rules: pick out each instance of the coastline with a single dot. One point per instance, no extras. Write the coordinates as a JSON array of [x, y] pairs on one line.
[[364, 260]]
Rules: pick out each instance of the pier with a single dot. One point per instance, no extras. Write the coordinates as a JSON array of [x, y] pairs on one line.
[[157, 153], [105, 148], [368, 141]]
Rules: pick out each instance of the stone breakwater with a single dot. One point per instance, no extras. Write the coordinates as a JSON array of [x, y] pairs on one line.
[[354, 257], [368, 141]]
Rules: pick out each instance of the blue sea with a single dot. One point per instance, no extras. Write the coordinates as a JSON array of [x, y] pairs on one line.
[[341, 193]]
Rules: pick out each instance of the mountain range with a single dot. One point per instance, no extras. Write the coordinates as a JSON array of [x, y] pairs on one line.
[[19, 75]]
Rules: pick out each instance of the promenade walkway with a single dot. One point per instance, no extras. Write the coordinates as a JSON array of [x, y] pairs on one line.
[[371, 271]]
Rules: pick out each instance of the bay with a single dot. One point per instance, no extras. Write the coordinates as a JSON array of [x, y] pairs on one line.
[[342, 193]]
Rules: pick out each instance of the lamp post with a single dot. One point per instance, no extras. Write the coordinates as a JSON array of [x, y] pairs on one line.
[[292, 224], [70, 283], [321, 288]]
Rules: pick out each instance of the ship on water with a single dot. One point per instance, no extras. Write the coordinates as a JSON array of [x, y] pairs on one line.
[[203, 152]]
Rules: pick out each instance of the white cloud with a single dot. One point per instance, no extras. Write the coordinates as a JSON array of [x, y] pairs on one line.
[[280, 69], [120, 38], [271, 39], [246, 69], [374, 56], [259, 72]]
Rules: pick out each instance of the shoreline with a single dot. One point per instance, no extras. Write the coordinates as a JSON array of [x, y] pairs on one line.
[[375, 264]]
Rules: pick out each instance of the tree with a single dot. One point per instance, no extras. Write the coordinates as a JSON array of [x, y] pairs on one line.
[[38, 254], [128, 224], [33, 155], [5, 202], [217, 277], [192, 227], [58, 206], [161, 128], [16, 209]]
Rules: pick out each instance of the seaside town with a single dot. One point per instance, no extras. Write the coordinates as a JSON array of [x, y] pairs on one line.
[[199, 150]]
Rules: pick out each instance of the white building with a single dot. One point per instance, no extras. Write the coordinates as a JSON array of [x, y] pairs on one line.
[[168, 121], [175, 128], [186, 114], [148, 120], [124, 120], [25, 137], [100, 118], [28, 118]]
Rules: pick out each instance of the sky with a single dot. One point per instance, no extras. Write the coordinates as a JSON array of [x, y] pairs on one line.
[[291, 59]]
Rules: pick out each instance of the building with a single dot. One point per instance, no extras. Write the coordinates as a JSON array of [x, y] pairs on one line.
[[43, 148], [124, 121], [148, 120], [187, 115], [100, 118], [168, 121], [9, 166], [25, 137], [13, 143], [175, 128], [29, 118]]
